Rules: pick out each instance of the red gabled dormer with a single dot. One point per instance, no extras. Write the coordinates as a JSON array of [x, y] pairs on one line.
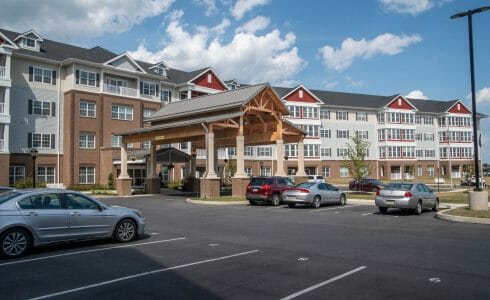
[[301, 94], [210, 80], [400, 103], [459, 108]]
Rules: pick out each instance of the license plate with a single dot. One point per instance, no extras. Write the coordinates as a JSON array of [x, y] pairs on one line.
[[255, 190], [391, 202]]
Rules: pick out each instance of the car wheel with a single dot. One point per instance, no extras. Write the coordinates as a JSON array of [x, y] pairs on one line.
[[436, 206], [276, 200], [418, 209], [291, 205], [383, 210], [316, 202], [252, 202], [15, 242], [342, 200], [125, 231]]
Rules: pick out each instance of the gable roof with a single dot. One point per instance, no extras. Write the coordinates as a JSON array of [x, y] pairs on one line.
[[305, 89], [39, 38], [128, 57], [8, 42], [398, 98]]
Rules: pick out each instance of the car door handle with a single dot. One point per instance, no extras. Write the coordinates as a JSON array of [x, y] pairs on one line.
[[32, 213], [75, 214]]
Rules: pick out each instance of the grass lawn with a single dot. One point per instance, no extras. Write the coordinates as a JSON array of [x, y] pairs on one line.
[[222, 198], [466, 212], [361, 195]]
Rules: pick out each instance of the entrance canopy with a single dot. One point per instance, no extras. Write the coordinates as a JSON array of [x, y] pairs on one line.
[[164, 156]]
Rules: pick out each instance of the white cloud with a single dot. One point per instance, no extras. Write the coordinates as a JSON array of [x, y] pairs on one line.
[[209, 5], [254, 25], [331, 85], [247, 57], [353, 82], [412, 7], [416, 94], [68, 20], [482, 96], [243, 6], [350, 49]]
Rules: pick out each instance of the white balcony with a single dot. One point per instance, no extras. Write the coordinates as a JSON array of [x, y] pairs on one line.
[[396, 176], [201, 154], [409, 176], [120, 90], [3, 73], [2, 108]]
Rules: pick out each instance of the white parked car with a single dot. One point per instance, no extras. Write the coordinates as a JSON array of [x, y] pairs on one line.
[[315, 178]]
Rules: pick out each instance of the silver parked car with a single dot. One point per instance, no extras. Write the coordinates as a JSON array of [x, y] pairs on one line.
[[314, 194], [415, 196], [36, 217]]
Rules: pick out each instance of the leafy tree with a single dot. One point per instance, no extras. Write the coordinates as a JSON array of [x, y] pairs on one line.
[[355, 161]]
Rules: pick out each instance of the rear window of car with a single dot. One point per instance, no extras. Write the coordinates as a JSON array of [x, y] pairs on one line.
[[398, 186], [305, 185], [6, 196], [257, 181]]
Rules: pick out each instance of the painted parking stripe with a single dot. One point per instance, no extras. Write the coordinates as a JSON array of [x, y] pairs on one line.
[[318, 285], [89, 251], [333, 208], [103, 283], [368, 214]]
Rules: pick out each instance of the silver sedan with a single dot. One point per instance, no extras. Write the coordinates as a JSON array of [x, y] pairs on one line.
[[36, 217], [314, 194], [415, 196]]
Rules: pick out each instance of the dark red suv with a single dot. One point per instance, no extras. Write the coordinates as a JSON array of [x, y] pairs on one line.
[[366, 185], [267, 189]]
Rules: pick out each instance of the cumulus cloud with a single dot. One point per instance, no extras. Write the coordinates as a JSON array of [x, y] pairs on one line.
[[416, 94], [482, 96], [258, 58], [67, 20], [241, 7], [254, 25], [350, 49], [209, 5], [411, 7]]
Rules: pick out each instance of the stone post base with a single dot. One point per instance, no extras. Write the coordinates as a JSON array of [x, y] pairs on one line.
[[239, 186], [152, 185], [123, 186], [478, 200], [210, 188], [300, 178]]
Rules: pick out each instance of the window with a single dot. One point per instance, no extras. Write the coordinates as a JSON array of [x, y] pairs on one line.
[[381, 118], [291, 150], [342, 152], [166, 96], [324, 114], [248, 171], [300, 92], [86, 174], [428, 120], [45, 174], [361, 116], [382, 152], [210, 77], [363, 134], [407, 134], [393, 117], [430, 153], [16, 173], [231, 152], [295, 111], [87, 109], [29, 43], [265, 171], [146, 145], [342, 134], [428, 136], [41, 75], [342, 115], [406, 118], [419, 171], [310, 112], [325, 133], [87, 141], [42, 108], [394, 152], [122, 112], [183, 95], [312, 150], [408, 152], [442, 121], [325, 152], [248, 151], [148, 88], [116, 141], [45, 201], [419, 153], [147, 112], [418, 136], [344, 172], [264, 151], [75, 201], [41, 140], [311, 130], [430, 170], [87, 78], [381, 135], [326, 172]]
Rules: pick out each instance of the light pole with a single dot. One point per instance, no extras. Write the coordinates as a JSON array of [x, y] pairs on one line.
[[470, 14], [34, 153]]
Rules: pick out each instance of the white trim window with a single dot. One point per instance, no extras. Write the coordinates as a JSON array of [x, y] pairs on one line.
[[312, 150], [29, 43], [87, 140], [166, 96], [430, 170], [325, 152], [248, 171], [87, 109], [342, 115], [326, 172], [361, 116], [248, 151], [343, 134], [116, 140], [344, 172], [430, 153], [325, 133], [419, 153], [149, 88], [264, 151], [146, 145], [310, 112], [291, 150], [42, 75], [86, 175], [342, 152], [41, 140], [45, 174], [147, 112], [362, 134], [41, 108], [16, 173], [295, 111], [122, 112], [419, 171], [311, 130], [87, 78], [324, 114]]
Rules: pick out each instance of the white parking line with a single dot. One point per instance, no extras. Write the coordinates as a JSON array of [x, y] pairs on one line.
[[89, 251], [368, 214], [332, 208], [142, 274], [311, 288]]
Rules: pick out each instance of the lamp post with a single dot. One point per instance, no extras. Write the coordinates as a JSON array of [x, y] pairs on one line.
[[470, 14], [261, 165], [34, 153], [286, 157]]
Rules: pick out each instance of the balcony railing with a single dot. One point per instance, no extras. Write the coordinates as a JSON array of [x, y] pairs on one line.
[[2, 145], [2, 108], [120, 90], [396, 176], [3, 72]]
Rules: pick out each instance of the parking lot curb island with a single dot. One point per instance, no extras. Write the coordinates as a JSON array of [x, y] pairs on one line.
[[195, 201], [443, 216]]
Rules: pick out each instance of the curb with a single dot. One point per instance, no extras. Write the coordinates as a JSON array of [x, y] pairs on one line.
[[443, 216], [188, 200]]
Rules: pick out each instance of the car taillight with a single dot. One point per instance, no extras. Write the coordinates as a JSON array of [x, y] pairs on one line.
[[303, 191], [266, 188], [377, 192], [248, 188], [408, 194]]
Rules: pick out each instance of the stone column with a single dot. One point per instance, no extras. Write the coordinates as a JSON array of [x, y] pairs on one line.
[[301, 174], [280, 158], [210, 185], [240, 180], [124, 181], [152, 181]]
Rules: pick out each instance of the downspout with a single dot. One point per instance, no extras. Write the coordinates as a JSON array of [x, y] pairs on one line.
[[58, 125]]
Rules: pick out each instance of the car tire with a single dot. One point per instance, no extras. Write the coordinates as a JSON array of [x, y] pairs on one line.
[[252, 202], [291, 205], [125, 231], [383, 210], [418, 209], [15, 243], [317, 202], [343, 200], [436, 205], [276, 200]]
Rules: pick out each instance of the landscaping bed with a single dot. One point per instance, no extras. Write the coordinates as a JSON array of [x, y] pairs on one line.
[[454, 197], [466, 212]]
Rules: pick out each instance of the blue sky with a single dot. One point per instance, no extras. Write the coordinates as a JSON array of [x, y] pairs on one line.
[[371, 46]]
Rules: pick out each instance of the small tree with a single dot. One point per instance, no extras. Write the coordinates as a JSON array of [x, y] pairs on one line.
[[356, 158], [110, 181]]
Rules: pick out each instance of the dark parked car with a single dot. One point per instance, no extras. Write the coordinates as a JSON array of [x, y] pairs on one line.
[[267, 189], [366, 185], [5, 189]]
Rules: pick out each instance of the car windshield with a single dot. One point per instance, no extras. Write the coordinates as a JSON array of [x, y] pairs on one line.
[[6, 196], [398, 186], [305, 185], [258, 181]]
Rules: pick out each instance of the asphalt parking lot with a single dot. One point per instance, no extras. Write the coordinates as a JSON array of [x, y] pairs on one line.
[[263, 252]]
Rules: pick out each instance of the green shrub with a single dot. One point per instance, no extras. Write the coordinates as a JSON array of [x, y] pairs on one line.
[[110, 181], [138, 192], [80, 187], [26, 183], [174, 185]]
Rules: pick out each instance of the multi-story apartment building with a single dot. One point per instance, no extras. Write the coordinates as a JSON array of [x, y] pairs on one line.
[[68, 102]]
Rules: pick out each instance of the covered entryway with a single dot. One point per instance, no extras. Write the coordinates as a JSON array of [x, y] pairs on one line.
[[249, 116]]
